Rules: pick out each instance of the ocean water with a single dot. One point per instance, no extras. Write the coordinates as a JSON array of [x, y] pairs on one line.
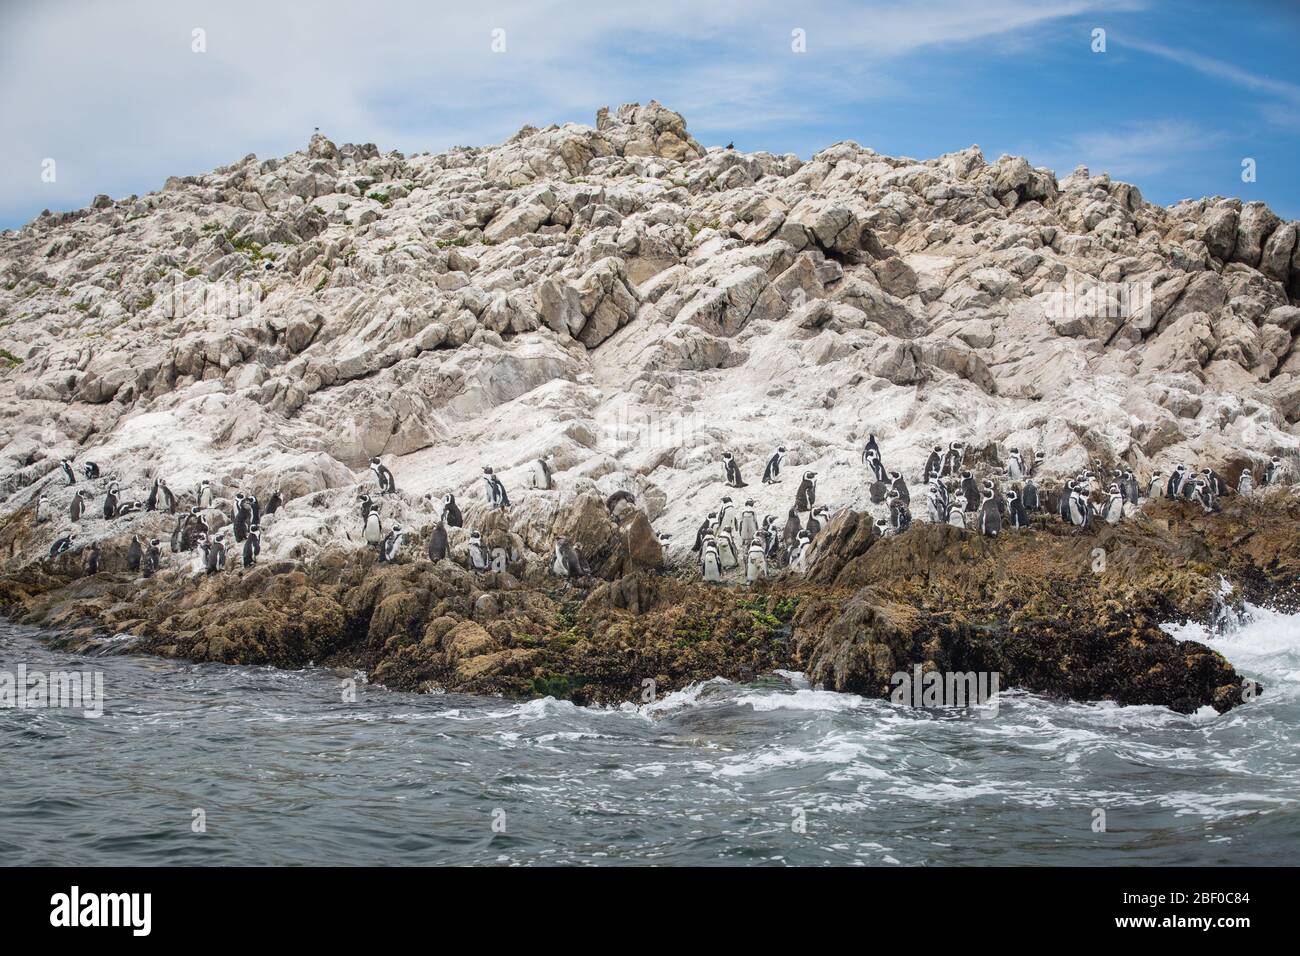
[[279, 769]]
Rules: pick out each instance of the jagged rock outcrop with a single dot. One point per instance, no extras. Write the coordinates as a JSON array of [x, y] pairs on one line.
[[631, 304]]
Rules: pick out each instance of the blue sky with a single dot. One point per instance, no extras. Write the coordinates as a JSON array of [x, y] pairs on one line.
[[114, 93]]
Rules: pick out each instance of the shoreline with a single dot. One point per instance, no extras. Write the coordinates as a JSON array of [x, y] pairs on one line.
[[1027, 605]]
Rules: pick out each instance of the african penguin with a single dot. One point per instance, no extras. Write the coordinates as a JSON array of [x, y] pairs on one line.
[[252, 545], [451, 515], [438, 542], [382, 475], [494, 492], [134, 553], [478, 554], [539, 475], [731, 471], [772, 472], [806, 496]]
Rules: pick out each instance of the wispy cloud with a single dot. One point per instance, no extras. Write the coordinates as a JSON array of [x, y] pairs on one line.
[[1218, 69], [115, 95], [1129, 151]]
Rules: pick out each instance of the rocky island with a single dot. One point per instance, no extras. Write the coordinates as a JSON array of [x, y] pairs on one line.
[[598, 314]]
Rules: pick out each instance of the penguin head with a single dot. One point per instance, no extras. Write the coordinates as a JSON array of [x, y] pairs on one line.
[[966, 473], [395, 529], [487, 469], [809, 475], [959, 502], [988, 494], [1245, 471], [726, 456], [254, 528], [1014, 451], [882, 526], [154, 542], [239, 497], [780, 449], [663, 536], [363, 497], [937, 449], [375, 462], [749, 502], [475, 536], [1012, 495], [447, 499]]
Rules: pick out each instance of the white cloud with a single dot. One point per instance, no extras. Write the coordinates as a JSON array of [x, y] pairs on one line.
[[114, 94], [1128, 151]]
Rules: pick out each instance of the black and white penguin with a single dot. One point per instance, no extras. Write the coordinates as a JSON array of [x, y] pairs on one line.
[[43, 509], [110, 501], [66, 465], [1245, 482], [725, 517], [61, 545], [772, 472], [90, 470], [1037, 464], [747, 524], [705, 529], [933, 467], [78, 506], [877, 467], [1029, 496], [990, 516], [799, 554], [1175, 485], [1016, 465], [438, 546], [494, 491], [771, 540], [152, 558], [970, 491], [372, 532], [367, 505], [957, 512], [897, 483], [1272, 472], [151, 501], [936, 501], [1129, 486], [755, 562], [274, 502], [806, 496], [793, 525], [900, 517], [620, 503], [451, 515], [204, 494], [1156, 486], [252, 545], [127, 507], [216, 555], [391, 545], [478, 554], [727, 552], [1205, 495], [880, 528], [1080, 511], [169, 499], [1113, 510], [90, 560], [1063, 502], [201, 548], [1016, 510], [877, 491], [540, 475], [254, 509], [710, 562], [134, 553], [565, 564], [385, 477], [819, 519], [731, 471], [242, 518], [1217, 484], [953, 459], [870, 448]]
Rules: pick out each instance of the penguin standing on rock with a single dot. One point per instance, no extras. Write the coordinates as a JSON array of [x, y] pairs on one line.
[[372, 532], [710, 563], [367, 505], [540, 475], [790, 534], [990, 517], [438, 542], [66, 465], [274, 502], [204, 494], [252, 545], [1175, 485], [819, 518], [241, 518], [385, 477], [42, 509], [478, 554], [1029, 496], [897, 483], [1245, 483], [704, 531], [62, 545], [619, 503], [933, 465], [495, 492], [565, 563], [78, 506], [1156, 486], [1272, 471], [1015, 465], [216, 555], [953, 459], [1016, 510], [870, 449], [877, 467], [451, 515], [152, 558], [806, 496], [755, 562], [1113, 510], [748, 523], [970, 491], [772, 472], [957, 513], [110, 501], [90, 560], [134, 553], [731, 471], [900, 518], [391, 545], [90, 470]]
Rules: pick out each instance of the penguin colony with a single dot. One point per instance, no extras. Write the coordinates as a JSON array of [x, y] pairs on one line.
[[731, 541]]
